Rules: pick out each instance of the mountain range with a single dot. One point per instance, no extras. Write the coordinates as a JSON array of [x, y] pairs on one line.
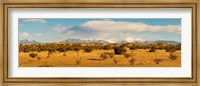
[[29, 41]]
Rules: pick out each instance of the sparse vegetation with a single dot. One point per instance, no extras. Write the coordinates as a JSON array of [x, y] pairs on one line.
[[172, 56], [78, 61], [157, 61], [127, 55], [119, 50], [33, 55], [103, 56], [94, 54], [115, 61], [131, 61], [133, 48], [152, 49], [88, 49]]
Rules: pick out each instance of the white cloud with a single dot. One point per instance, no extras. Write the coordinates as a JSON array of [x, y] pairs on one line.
[[59, 29], [33, 20], [38, 34], [133, 39], [27, 35], [24, 34], [110, 26]]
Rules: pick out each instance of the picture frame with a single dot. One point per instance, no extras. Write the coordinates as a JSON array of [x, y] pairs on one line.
[[103, 4]]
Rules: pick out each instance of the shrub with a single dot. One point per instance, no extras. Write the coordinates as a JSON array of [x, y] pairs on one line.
[[39, 58], [88, 49], [126, 55], [111, 55], [64, 54], [77, 49], [49, 54], [107, 47], [115, 61], [172, 56], [157, 61], [33, 55], [78, 61], [119, 50], [103, 56], [152, 50], [131, 61], [61, 49], [133, 48]]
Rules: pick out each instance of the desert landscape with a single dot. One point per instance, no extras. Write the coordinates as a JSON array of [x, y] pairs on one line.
[[99, 42], [68, 54]]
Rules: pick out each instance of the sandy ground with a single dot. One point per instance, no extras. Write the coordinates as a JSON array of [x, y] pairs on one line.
[[142, 57]]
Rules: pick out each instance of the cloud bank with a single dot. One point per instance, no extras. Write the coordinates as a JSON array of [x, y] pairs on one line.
[[110, 26], [33, 20], [113, 30]]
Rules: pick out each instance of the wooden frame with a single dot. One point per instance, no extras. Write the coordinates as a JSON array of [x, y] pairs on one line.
[[102, 4]]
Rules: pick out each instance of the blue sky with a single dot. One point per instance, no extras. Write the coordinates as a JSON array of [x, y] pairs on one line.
[[55, 30]]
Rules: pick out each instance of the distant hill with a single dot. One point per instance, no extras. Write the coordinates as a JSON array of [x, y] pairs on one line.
[[122, 41], [87, 41], [162, 41], [28, 41]]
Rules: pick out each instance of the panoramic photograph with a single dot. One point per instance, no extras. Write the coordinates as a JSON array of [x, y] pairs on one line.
[[99, 42]]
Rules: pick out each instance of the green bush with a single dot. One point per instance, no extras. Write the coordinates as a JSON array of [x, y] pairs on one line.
[[88, 49], [119, 50], [77, 49], [107, 47], [152, 50], [133, 48]]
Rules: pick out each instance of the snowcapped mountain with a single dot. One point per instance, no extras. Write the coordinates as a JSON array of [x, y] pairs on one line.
[[162, 41], [121, 41], [84, 40], [28, 41]]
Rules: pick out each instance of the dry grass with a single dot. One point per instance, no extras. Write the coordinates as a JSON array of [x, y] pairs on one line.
[[138, 58]]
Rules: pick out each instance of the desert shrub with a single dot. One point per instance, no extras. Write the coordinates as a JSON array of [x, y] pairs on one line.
[[88, 49], [171, 48], [152, 49], [107, 47], [132, 61], [172, 56], [77, 49], [52, 50], [49, 54], [157, 61], [119, 50], [103, 56], [61, 49], [78, 61], [39, 58], [39, 50], [133, 48], [111, 55], [126, 55], [69, 48], [64, 54], [33, 55], [115, 61]]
